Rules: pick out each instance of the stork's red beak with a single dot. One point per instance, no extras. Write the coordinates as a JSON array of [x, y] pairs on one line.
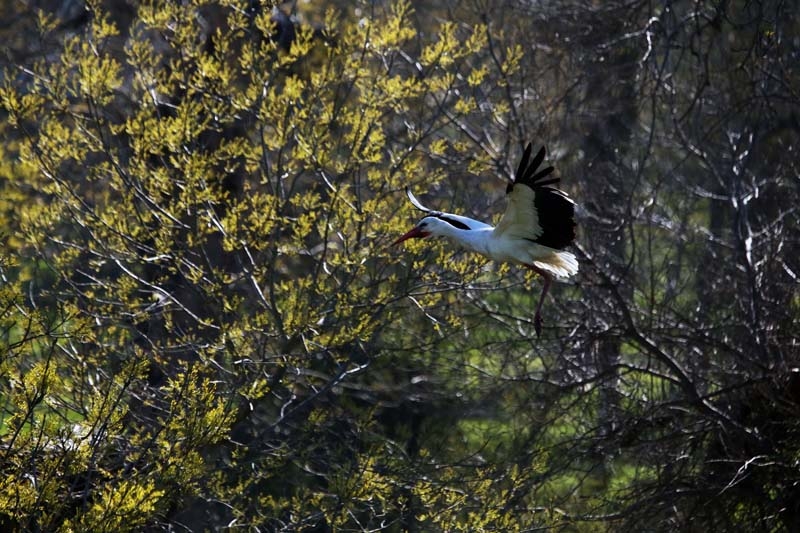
[[415, 233]]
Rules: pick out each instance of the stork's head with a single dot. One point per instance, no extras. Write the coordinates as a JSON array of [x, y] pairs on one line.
[[434, 224], [425, 228], [438, 225]]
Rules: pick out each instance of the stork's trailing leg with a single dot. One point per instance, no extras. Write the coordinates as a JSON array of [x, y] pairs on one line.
[[537, 318]]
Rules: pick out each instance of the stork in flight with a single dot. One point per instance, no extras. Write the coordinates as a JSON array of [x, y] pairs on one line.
[[538, 224]]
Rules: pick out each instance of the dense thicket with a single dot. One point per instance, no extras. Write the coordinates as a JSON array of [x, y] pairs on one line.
[[203, 326]]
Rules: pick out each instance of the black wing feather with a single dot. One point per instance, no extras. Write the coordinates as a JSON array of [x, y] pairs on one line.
[[534, 164], [556, 217], [523, 163], [542, 173], [551, 181], [526, 171]]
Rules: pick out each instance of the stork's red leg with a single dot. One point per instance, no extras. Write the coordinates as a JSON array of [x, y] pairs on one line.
[[537, 318]]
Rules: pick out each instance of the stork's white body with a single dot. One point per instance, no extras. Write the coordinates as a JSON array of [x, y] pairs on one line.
[[537, 225], [499, 246]]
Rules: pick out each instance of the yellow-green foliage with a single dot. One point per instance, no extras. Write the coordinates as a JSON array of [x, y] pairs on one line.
[[200, 221], [123, 506]]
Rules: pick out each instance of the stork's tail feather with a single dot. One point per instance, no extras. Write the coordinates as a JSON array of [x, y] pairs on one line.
[[560, 264]]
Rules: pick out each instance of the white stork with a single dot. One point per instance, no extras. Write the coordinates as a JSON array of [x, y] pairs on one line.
[[538, 224]]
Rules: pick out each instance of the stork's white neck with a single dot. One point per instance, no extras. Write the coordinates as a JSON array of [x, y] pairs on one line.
[[476, 238]]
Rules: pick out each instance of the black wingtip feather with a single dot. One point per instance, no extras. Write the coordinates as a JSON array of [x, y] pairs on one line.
[[527, 170], [542, 173], [523, 163], [544, 183], [535, 164]]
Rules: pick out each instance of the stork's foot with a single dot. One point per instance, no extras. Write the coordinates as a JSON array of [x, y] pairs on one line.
[[537, 324]]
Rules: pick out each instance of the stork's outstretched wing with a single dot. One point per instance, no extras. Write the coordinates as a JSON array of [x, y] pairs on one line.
[[536, 211], [416, 203]]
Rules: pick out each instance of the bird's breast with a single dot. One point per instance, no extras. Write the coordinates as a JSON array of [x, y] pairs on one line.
[[501, 249], [515, 250]]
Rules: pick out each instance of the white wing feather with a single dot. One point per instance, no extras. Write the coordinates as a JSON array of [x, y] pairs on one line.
[[521, 220], [416, 203]]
